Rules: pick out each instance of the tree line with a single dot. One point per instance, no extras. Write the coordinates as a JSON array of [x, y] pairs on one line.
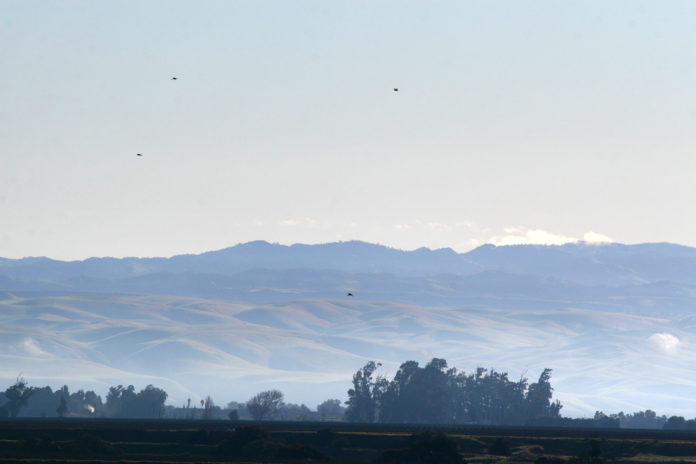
[[430, 394], [22, 400], [436, 394], [121, 402]]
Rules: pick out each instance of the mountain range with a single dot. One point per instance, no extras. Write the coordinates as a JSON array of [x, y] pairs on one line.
[[245, 270], [614, 321]]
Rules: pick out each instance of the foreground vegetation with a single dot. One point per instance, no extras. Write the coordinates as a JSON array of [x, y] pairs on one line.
[[178, 441]]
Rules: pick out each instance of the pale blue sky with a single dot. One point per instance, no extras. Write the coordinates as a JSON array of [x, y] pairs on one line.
[[514, 121]]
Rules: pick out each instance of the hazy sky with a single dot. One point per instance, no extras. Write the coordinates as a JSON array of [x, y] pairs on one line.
[[540, 121]]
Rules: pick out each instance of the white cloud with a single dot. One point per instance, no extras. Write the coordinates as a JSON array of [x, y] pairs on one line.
[[594, 237], [31, 347], [665, 341], [520, 235], [523, 236]]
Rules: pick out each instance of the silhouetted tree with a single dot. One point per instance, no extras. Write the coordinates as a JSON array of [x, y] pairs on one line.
[[436, 394], [62, 408], [17, 396], [419, 395], [539, 398], [647, 419], [120, 401], [675, 423], [331, 409], [84, 402], [364, 397], [125, 402], [264, 404], [42, 403], [241, 408], [208, 408], [295, 412], [151, 401]]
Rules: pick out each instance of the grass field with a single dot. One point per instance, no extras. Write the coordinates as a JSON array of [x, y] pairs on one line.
[[134, 441]]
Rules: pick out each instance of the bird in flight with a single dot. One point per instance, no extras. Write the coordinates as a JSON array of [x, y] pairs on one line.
[[396, 89], [349, 294], [138, 154], [173, 78]]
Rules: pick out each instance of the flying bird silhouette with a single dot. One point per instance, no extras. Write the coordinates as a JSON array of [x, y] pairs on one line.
[[138, 154], [173, 78], [349, 294], [396, 89]]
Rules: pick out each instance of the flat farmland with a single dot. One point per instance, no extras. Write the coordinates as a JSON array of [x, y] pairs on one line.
[[174, 441]]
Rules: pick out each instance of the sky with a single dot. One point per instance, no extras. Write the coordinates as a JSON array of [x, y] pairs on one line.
[[514, 122]]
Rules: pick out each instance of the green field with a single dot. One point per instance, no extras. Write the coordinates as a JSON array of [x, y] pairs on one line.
[[99, 441]]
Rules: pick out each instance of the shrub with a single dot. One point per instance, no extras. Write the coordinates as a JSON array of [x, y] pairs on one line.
[[298, 452], [500, 447], [241, 438], [92, 446], [549, 460], [325, 437], [426, 448]]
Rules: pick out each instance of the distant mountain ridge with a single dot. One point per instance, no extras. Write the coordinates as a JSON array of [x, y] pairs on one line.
[[580, 263], [354, 256]]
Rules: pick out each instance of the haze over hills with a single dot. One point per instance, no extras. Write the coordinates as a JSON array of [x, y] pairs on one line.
[[613, 321]]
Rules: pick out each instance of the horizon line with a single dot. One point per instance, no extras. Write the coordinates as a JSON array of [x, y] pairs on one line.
[[405, 250]]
